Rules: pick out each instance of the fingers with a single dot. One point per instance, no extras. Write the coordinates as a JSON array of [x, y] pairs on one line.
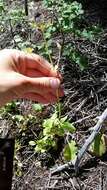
[[34, 73], [31, 75], [26, 62], [41, 85], [44, 89], [35, 61], [22, 62]]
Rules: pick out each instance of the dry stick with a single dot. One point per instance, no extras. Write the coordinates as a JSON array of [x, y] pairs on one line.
[[83, 119], [91, 138], [62, 167], [26, 7], [85, 147]]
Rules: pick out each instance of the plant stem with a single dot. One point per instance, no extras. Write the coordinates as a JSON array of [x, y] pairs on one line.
[[58, 104], [50, 59], [47, 50]]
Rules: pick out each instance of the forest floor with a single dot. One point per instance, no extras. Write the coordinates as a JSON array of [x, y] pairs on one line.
[[85, 99]]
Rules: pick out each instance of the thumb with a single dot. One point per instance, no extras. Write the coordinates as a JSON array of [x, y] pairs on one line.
[[41, 85]]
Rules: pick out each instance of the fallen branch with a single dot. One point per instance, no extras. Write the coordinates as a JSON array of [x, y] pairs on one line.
[[96, 130], [59, 169], [91, 138], [83, 119]]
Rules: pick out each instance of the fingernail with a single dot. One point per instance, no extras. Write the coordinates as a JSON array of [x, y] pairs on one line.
[[55, 83]]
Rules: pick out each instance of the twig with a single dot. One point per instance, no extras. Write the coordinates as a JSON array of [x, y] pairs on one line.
[[81, 105], [49, 180], [101, 180], [100, 58], [83, 119], [58, 169], [58, 187], [53, 185], [26, 7], [59, 56], [73, 182], [91, 138]]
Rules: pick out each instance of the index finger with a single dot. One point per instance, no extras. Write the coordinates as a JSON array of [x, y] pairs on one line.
[[37, 62]]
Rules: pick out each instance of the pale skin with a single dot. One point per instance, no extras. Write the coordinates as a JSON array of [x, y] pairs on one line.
[[27, 76]]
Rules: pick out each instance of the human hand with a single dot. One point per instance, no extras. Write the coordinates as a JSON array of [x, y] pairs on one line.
[[27, 76]]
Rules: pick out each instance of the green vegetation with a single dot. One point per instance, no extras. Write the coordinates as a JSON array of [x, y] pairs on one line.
[[10, 17], [53, 129], [67, 22], [98, 147], [70, 151]]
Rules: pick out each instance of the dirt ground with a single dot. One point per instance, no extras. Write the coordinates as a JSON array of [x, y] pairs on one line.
[[85, 99]]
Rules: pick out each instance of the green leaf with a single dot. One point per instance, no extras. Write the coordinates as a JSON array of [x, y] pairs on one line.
[[37, 107], [51, 127], [17, 38], [70, 151], [45, 144], [18, 118], [98, 147], [91, 32], [1, 8], [68, 127], [88, 35], [49, 122], [48, 130], [63, 119], [32, 143], [47, 35], [79, 59], [11, 106]]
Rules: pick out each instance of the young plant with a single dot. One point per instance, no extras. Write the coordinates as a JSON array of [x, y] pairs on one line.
[[53, 129], [70, 151], [99, 146]]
